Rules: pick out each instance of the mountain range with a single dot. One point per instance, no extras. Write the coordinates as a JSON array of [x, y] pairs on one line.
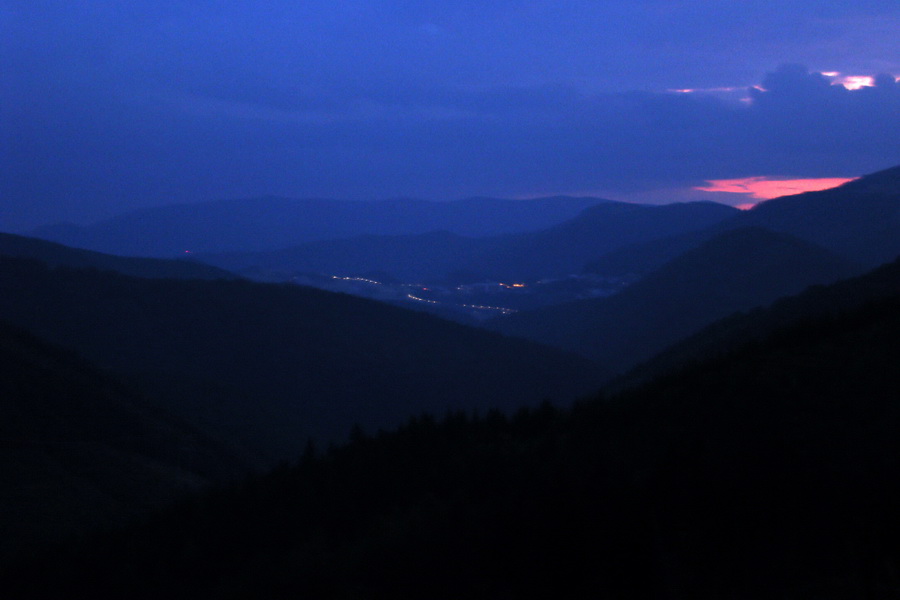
[[858, 220], [750, 454], [556, 251], [269, 223], [690, 280]]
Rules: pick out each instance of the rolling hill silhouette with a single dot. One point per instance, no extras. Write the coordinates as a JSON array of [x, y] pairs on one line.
[[271, 365], [58, 255], [859, 221], [815, 303], [269, 223], [553, 252]]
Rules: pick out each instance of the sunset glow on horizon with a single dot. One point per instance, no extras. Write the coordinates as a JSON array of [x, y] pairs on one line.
[[766, 188]]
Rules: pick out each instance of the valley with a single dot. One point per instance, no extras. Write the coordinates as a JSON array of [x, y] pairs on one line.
[[466, 302], [194, 412]]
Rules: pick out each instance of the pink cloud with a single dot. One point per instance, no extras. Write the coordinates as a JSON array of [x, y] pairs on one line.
[[855, 82], [764, 188]]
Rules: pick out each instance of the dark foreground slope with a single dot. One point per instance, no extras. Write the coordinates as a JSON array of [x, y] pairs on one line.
[[270, 365], [769, 473], [59, 255], [735, 271], [79, 450]]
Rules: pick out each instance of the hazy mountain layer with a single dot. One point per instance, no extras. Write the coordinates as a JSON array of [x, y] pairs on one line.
[[425, 257], [270, 365], [566, 248], [737, 270], [554, 252], [273, 223], [637, 260]]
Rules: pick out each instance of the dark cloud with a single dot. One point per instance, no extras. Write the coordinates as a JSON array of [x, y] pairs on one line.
[[802, 118], [112, 105]]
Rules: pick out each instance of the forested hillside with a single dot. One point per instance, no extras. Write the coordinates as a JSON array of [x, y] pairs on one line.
[[767, 473], [741, 328], [80, 450]]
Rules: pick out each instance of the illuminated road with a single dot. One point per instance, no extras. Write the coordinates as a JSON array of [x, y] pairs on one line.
[[363, 279], [500, 309], [505, 311]]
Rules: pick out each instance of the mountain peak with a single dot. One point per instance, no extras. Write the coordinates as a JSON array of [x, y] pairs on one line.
[[886, 181]]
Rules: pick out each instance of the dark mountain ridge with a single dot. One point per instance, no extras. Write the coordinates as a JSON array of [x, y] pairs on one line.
[[58, 255], [271, 365], [565, 248], [725, 335], [557, 251], [734, 271], [859, 220]]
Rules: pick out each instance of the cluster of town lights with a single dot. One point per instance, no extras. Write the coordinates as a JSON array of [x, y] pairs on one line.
[[505, 311]]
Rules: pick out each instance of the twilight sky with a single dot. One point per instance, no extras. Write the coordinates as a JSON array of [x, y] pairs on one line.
[[106, 106]]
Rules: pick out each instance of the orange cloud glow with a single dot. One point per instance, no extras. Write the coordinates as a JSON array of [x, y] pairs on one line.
[[764, 188]]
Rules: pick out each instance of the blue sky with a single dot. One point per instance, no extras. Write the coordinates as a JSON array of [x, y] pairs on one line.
[[108, 106]]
